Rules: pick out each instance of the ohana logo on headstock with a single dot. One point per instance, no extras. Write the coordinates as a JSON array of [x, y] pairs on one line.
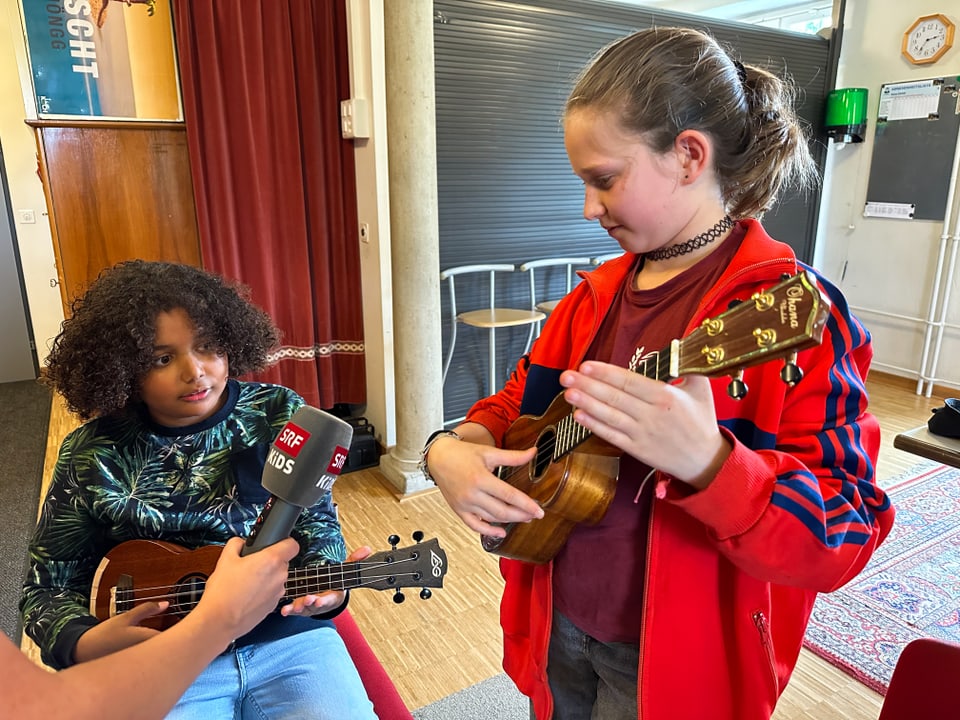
[[790, 314]]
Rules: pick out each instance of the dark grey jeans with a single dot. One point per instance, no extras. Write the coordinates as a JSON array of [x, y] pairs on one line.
[[589, 679]]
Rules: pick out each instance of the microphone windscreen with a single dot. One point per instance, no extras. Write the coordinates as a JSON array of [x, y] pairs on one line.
[[307, 456]]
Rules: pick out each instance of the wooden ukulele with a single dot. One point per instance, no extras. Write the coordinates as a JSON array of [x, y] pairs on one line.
[[139, 571], [574, 474]]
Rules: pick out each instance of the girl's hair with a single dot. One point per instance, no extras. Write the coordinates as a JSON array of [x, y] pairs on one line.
[[662, 81], [105, 347]]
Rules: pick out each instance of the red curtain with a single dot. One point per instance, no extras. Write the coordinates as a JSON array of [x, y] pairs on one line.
[[274, 180]]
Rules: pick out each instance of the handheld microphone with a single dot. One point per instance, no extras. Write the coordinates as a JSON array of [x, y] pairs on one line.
[[303, 463]]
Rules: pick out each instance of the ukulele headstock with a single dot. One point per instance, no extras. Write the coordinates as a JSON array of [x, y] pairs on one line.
[[420, 565], [778, 322]]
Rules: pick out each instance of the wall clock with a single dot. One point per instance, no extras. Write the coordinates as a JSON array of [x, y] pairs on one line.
[[927, 39]]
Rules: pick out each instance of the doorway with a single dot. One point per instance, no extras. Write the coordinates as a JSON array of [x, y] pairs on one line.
[[18, 355]]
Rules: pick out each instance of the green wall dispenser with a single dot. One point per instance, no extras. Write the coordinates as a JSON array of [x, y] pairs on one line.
[[846, 116]]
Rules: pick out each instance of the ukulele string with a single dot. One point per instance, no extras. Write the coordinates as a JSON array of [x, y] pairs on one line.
[[295, 572], [367, 580], [182, 608], [321, 577], [547, 450], [295, 579]]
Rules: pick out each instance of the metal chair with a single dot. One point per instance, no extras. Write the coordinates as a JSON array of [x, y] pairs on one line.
[[489, 317], [546, 304], [601, 259], [923, 684], [568, 263]]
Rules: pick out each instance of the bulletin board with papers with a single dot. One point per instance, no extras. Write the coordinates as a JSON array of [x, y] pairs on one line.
[[913, 150]]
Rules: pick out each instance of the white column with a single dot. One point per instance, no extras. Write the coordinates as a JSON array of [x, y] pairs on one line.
[[415, 237]]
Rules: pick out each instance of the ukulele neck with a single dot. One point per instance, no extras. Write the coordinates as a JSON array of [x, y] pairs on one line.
[[321, 578], [662, 365]]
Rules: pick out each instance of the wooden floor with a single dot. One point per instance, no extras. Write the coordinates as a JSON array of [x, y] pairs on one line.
[[434, 647]]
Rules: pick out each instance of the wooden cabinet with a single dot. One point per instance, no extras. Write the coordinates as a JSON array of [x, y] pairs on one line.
[[116, 191]]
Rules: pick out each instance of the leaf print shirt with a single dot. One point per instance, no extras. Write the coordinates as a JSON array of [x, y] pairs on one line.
[[124, 478]]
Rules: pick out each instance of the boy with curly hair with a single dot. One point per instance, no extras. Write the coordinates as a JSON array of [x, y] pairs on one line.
[[173, 449]]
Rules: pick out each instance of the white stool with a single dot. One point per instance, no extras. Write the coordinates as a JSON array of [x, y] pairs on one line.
[[489, 317], [545, 304]]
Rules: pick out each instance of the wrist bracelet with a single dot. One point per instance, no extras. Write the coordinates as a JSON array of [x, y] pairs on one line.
[[422, 465]]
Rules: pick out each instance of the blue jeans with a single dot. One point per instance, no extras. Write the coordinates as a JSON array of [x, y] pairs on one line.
[[308, 676], [589, 679]]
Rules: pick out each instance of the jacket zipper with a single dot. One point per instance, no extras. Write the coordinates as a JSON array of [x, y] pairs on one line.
[[546, 651], [643, 605], [760, 620]]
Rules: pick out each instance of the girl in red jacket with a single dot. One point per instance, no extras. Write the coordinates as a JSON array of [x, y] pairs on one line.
[[689, 598]]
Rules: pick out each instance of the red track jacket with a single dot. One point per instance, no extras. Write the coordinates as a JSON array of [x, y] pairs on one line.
[[733, 570]]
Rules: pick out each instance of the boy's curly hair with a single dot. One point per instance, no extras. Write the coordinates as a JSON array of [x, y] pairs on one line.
[[105, 347]]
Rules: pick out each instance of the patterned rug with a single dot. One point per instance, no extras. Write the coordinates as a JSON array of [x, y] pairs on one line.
[[909, 589]]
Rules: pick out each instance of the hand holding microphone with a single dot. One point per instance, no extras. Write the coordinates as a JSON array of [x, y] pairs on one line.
[[303, 463]]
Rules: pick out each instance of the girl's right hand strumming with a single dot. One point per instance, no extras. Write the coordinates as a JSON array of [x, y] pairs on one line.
[[463, 470]]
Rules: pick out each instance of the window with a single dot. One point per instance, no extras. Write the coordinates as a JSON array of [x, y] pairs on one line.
[[810, 18], [803, 16]]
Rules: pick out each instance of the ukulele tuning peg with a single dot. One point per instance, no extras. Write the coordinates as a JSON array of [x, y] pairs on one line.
[[737, 389], [791, 373], [425, 594], [398, 597], [394, 540], [417, 535]]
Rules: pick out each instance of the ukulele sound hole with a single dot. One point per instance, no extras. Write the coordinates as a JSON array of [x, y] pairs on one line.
[[545, 446], [188, 593]]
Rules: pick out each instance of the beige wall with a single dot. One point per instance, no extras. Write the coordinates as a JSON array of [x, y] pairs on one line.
[[26, 191], [365, 27], [885, 267]]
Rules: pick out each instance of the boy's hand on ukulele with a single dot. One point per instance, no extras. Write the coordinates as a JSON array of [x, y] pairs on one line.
[[116, 633], [327, 601], [463, 471]]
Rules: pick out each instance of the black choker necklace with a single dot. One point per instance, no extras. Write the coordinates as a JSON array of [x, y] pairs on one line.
[[693, 243]]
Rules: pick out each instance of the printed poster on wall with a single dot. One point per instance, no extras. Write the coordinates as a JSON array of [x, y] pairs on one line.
[[103, 58]]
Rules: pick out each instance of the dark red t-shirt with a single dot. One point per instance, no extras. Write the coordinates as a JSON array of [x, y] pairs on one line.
[[599, 574]]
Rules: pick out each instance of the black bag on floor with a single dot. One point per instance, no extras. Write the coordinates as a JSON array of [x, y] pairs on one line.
[[363, 448], [945, 420]]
